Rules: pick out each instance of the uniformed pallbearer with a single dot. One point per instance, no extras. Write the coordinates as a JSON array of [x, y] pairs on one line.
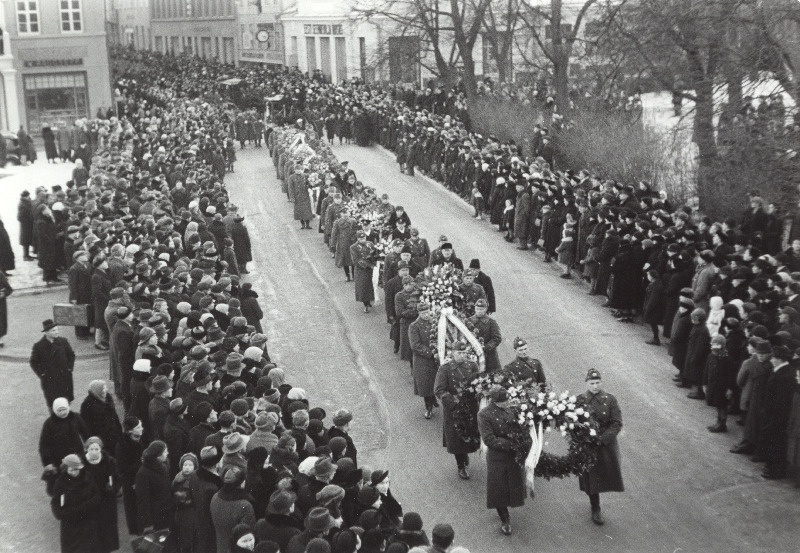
[[606, 476]]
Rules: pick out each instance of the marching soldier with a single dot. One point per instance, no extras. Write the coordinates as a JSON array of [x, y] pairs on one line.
[[424, 363], [505, 478], [470, 291], [487, 331], [405, 308], [606, 475], [525, 367], [451, 376], [363, 264]]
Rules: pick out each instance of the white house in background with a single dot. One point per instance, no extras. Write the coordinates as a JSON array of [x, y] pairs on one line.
[[323, 36], [260, 34], [9, 78]]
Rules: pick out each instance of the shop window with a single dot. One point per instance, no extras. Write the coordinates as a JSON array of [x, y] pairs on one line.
[[54, 98], [28, 16], [71, 17]]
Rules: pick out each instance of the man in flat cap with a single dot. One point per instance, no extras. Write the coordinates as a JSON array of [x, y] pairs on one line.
[[606, 475]]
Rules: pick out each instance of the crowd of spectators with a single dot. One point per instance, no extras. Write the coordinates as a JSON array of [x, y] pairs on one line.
[[212, 446]]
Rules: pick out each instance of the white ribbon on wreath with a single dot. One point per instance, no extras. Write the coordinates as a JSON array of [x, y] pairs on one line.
[[446, 314], [533, 455]]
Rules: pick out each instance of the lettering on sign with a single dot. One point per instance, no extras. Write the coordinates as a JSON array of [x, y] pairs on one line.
[[251, 55], [52, 63], [312, 29]]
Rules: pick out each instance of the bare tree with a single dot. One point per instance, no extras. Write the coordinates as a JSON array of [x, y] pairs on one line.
[[444, 25], [501, 20], [559, 46]]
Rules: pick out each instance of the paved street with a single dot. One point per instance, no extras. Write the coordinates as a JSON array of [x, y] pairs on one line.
[[684, 490]]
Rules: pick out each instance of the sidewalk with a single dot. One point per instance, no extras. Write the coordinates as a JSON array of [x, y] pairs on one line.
[[25, 316], [27, 276]]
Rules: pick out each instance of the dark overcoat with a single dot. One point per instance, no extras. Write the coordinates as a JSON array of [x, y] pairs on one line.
[[425, 364], [302, 201], [25, 218], [405, 306], [343, 235], [697, 351], [203, 485], [104, 475], [102, 420], [153, 495], [625, 281], [487, 331], [606, 475], [719, 377], [653, 310], [53, 363], [449, 379], [505, 478], [122, 355], [679, 343], [75, 504], [364, 264], [101, 294], [60, 437], [241, 242], [5, 291], [46, 243]]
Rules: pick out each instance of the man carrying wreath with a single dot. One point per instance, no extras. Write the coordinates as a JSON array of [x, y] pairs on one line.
[[606, 475], [505, 478], [451, 378]]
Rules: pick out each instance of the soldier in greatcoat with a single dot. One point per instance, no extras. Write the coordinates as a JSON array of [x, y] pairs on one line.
[[606, 475], [362, 254], [424, 363], [452, 377], [505, 478], [405, 308], [487, 331]]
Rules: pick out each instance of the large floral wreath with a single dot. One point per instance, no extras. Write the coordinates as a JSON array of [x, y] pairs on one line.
[[538, 411]]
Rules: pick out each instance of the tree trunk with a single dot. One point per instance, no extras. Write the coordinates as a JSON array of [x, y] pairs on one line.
[[705, 140], [561, 83]]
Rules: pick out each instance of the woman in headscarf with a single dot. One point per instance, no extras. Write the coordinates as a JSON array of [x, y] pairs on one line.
[[75, 504], [102, 468]]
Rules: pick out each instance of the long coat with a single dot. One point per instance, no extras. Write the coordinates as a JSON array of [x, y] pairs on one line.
[[102, 420], [5, 291], [241, 243], [606, 475], [653, 310], [53, 363], [487, 331], [758, 377], [424, 364], [719, 377], [331, 214], [25, 218], [6, 251], [75, 503], [229, 508], [153, 495], [343, 235], [697, 351], [364, 264], [773, 437], [60, 437], [122, 355], [101, 294], [505, 479], [678, 345], [46, 242], [405, 306], [449, 379], [302, 201], [104, 475], [203, 485], [625, 281]]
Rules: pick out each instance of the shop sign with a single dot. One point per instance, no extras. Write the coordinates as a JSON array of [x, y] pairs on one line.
[[53, 63], [312, 29]]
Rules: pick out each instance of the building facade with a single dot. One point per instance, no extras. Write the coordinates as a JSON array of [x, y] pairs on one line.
[[320, 36], [132, 23], [9, 108], [260, 34], [59, 50], [205, 28]]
